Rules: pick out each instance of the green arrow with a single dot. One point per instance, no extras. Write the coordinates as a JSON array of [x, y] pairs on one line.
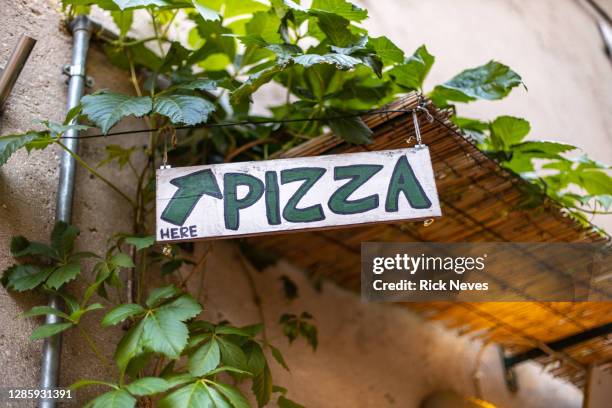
[[191, 188]]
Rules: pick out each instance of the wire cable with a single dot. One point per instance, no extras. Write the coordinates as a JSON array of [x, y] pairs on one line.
[[247, 122]]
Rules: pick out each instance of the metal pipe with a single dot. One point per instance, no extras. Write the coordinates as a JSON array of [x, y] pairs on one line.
[[14, 65], [81, 33]]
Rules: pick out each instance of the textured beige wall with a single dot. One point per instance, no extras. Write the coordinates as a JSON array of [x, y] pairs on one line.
[[369, 355]]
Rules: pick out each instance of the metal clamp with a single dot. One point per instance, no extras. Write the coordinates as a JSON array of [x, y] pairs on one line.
[[77, 70]]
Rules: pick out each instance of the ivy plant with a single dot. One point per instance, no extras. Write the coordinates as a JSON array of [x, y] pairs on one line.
[[167, 355], [195, 81]]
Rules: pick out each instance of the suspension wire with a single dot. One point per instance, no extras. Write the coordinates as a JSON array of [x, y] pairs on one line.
[[250, 122]]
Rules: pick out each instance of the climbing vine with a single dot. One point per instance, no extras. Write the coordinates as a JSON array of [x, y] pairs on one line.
[[203, 65]]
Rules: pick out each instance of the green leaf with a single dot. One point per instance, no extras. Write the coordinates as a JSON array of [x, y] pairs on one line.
[[171, 266], [491, 81], [264, 26], [241, 7], [164, 331], [122, 260], [340, 61], [470, 124], [120, 313], [309, 332], [193, 395], [179, 379], [9, 144], [141, 242], [63, 274], [124, 4], [335, 27], [217, 399], [216, 38], [41, 143], [605, 200], [262, 386], [230, 370], [183, 109], [342, 8], [278, 356], [76, 315], [21, 246], [234, 395], [114, 399], [24, 277], [202, 84], [117, 153], [87, 383], [253, 83], [123, 20], [175, 57], [147, 386], [140, 54], [45, 310], [222, 329], [71, 302], [284, 402], [507, 131], [255, 359], [205, 359], [353, 130], [358, 47], [129, 346], [57, 129], [158, 295], [595, 182], [206, 12], [106, 108], [232, 355], [63, 237], [414, 70], [47, 330], [547, 149], [386, 49], [284, 52]]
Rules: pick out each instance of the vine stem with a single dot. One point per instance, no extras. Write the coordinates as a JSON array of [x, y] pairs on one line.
[[95, 173], [246, 268], [94, 348]]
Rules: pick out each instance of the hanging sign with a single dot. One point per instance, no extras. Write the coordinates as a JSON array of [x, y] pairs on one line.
[[238, 199]]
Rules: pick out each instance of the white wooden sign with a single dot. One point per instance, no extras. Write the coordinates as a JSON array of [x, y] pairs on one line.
[[237, 199]]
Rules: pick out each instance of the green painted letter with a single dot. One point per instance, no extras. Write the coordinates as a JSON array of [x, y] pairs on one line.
[[357, 174], [310, 175], [272, 198], [191, 188], [404, 181], [232, 205]]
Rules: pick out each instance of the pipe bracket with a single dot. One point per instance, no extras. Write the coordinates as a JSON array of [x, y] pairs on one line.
[[77, 70]]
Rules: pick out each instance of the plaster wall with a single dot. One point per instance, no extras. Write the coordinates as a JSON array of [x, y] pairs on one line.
[[369, 355]]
